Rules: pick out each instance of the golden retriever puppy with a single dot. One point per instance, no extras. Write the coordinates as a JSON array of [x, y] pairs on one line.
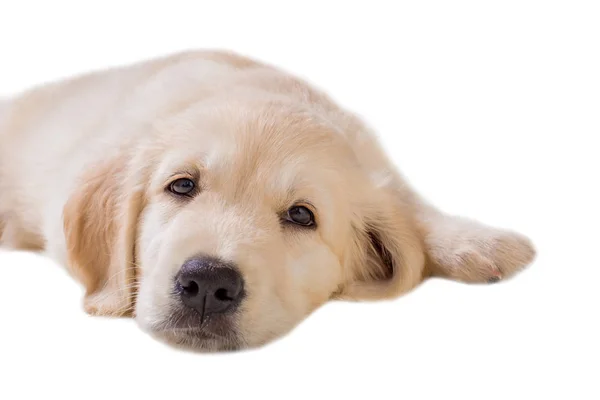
[[219, 200]]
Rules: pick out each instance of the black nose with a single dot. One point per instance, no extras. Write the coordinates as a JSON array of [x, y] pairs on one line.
[[210, 286]]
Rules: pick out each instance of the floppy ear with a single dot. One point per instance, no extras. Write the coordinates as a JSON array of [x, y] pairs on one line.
[[387, 257], [100, 224]]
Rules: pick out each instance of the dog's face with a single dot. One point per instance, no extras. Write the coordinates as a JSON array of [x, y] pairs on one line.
[[246, 220]]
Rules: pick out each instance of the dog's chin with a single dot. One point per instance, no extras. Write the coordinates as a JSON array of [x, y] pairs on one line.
[[196, 339], [187, 329]]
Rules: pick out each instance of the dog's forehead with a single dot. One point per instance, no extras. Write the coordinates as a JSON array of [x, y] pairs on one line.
[[268, 150], [275, 162]]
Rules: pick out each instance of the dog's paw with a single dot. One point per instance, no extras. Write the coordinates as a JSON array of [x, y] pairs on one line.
[[106, 305], [471, 252]]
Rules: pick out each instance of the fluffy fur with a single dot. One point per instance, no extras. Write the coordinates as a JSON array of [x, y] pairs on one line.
[[84, 164]]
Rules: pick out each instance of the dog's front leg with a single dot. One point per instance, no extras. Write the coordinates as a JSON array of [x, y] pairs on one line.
[[465, 250]]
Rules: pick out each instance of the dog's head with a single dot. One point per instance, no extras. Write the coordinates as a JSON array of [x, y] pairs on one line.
[[225, 226]]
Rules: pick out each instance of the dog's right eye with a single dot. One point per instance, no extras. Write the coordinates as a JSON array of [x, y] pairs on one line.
[[300, 215], [182, 187]]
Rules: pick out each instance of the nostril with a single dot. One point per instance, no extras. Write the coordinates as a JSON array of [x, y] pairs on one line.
[[191, 288], [210, 286], [223, 295]]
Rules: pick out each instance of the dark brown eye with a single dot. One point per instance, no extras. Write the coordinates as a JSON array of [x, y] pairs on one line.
[[301, 215], [182, 187]]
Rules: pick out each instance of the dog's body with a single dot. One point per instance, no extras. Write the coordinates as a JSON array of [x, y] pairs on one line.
[[84, 165]]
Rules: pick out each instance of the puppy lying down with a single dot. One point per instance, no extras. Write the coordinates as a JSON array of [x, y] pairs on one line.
[[219, 200]]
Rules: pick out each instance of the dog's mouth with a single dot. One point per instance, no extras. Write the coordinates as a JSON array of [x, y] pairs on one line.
[[198, 340], [188, 329]]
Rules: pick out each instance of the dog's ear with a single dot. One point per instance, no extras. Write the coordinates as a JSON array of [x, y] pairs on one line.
[[100, 224], [387, 257]]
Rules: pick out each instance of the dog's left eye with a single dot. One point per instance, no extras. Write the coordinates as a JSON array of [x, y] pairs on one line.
[[300, 215], [182, 186]]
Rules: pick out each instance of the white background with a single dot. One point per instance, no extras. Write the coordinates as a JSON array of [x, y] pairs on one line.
[[492, 110]]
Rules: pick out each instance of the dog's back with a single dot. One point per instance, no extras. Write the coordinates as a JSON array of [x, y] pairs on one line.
[[48, 135]]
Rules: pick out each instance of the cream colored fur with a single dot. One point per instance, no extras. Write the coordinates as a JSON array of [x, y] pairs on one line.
[[84, 164]]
